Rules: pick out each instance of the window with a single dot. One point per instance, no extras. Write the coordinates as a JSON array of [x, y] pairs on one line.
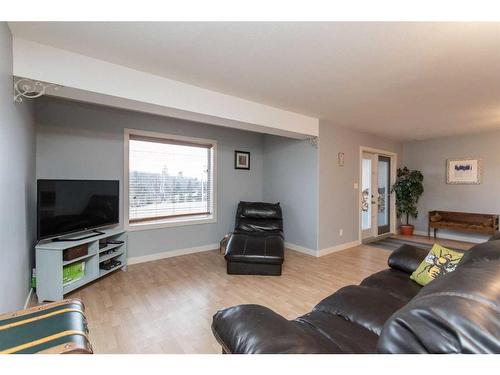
[[170, 179]]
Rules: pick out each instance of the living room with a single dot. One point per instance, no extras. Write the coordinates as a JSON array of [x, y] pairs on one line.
[[166, 196]]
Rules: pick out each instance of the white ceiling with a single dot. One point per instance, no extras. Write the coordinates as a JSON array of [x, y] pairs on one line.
[[401, 80]]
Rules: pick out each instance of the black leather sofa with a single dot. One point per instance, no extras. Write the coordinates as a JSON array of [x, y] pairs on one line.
[[386, 313], [256, 247]]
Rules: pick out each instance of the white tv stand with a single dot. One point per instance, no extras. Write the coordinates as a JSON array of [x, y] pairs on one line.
[[50, 263]]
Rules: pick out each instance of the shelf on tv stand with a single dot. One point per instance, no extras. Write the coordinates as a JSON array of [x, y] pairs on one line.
[[50, 263], [103, 258], [110, 247], [105, 272], [66, 262]]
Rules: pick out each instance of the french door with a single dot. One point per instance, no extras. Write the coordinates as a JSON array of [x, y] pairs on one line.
[[383, 194], [375, 195]]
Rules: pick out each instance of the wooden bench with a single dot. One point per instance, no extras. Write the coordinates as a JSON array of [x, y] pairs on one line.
[[463, 222]]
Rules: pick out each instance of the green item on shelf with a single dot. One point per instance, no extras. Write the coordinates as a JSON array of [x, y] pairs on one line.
[[73, 272]]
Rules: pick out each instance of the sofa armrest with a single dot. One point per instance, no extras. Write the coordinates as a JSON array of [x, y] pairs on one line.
[[407, 258], [255, 329]]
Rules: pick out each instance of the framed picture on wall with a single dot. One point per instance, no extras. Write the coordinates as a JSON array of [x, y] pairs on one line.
[[241, 160], [463, 171]]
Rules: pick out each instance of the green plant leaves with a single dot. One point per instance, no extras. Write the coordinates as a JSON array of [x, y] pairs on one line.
[[408, 189]]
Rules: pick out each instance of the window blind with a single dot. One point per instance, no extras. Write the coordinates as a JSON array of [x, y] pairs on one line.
[[169, 178]]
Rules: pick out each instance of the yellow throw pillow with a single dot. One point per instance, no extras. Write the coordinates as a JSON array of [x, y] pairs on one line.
[[438, 262]]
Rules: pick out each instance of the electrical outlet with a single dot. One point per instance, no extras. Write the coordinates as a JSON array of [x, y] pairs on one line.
[[356, 186], [341, 232]]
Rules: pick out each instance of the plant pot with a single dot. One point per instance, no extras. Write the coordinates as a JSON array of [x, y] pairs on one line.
[[406, 229]]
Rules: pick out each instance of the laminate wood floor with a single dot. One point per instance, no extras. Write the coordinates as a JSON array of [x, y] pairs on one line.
[[166, 306]]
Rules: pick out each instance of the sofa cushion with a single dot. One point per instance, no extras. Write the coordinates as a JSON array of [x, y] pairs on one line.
[[255, 248], [407, 258], [366, 306], [457, 313], [489, 250], [258, 217], [393, 281], [254, 329], [348, 336], [245, 225], [259, 210]]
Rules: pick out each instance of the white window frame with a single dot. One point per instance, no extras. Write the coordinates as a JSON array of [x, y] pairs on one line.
[[171, 222]]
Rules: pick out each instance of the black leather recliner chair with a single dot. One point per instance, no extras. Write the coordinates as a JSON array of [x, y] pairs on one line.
[[256, 246], [387, 313]]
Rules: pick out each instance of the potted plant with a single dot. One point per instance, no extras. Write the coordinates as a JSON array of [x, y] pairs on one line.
[[408, 188]]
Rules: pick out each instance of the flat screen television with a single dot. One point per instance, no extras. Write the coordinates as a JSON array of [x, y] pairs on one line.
[[70, 206]]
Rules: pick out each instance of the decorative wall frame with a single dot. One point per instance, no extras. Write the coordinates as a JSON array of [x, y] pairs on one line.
[[313, 141], [465, 171], [27, 88], [241, 160]]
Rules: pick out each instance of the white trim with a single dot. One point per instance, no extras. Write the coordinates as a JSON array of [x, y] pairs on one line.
[[301, 249], [203, 248], [394, 162], [180, 222], [322, 252], [166, 223], [28, 299], [453, 237], [171, 253], [340, 247]]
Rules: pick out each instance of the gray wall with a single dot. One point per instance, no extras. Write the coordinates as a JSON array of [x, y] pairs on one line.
[[338, 199], [17, 186], [430, 157], [77, 140], [291, 178]]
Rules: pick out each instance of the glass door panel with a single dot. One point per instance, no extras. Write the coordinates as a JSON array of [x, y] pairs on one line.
[[383, 196], [367, 190], [366, 195]]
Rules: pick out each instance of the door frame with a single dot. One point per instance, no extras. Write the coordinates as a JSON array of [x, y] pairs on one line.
[[369, 232], [394, 160]]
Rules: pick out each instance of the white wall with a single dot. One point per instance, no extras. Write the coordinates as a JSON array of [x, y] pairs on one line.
[[77, 140], [17, 186]]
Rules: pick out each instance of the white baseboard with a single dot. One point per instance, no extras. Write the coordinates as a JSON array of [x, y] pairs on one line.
[[301, 249], [340, 247], [171, 253], [28, 299], [322, 252], [455, 237], [199, 249]]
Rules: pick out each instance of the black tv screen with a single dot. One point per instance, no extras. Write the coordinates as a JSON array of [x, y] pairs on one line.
[[68, 206]]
